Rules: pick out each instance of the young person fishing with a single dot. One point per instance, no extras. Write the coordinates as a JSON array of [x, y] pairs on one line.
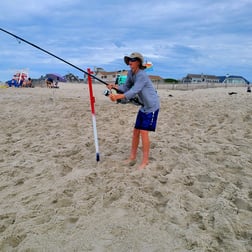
[[138, 83]]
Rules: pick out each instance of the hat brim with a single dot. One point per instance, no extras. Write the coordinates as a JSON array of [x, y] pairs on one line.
[[127, 59]]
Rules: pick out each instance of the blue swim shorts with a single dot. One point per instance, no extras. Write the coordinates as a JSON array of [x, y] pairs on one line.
[[146, 121]]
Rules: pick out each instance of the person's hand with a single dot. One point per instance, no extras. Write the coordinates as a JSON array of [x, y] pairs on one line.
[[114, 97], [110, 86]]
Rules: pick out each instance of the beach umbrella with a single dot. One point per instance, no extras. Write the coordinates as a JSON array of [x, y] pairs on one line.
[[149, 66], [20, 75], [56, 77]]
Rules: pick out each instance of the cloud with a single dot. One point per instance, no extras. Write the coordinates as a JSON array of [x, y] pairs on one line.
[[177, 36]]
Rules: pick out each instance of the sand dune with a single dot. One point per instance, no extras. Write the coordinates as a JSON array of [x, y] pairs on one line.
[[195, 195]]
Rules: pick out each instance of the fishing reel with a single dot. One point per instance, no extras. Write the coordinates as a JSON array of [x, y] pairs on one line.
[[136, 101], [107, 92]]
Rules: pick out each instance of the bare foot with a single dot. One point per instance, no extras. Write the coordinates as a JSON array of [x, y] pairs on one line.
[[129, 162], [142, 166]]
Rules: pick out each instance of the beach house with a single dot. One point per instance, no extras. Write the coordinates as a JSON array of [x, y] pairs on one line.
[[205, 78], [233, 79], [199, 78], [111, 77]]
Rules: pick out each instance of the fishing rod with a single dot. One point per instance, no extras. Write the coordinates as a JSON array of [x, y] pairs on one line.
[[92, 99], [53, 55], [133, 100]]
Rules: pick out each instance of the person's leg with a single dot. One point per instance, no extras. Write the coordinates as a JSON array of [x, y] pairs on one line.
[[146, 148], [144, 124], [134, 144]]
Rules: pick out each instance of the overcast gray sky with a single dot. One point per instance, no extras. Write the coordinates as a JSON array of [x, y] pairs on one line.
[[177, 36]]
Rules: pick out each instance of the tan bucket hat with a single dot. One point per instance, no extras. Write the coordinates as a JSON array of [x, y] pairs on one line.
[[135, 55]]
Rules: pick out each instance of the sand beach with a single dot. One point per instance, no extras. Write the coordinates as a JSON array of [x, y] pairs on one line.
[[195, 194]]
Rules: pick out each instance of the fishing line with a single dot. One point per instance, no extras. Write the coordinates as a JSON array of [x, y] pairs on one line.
[[19, 39], [92, 99]]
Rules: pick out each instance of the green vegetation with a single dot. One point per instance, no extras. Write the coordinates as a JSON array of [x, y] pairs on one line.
[[170, 81]]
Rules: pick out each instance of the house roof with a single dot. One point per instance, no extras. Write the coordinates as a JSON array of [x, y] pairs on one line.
[[124, 72], [155, 77], [223, 78], [206, 76]]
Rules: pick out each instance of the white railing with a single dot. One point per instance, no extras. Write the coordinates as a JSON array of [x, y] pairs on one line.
[[190, 86]]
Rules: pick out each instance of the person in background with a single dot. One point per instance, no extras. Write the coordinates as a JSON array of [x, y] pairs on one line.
[[248, 88], [139, 83], [49, 82], [27, 83], [56, 84]]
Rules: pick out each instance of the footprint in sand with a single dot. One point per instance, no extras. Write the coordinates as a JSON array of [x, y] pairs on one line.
[[197, 218], [6, 220], [14, 240], [62, 201], [162, 198], [250, 194], [65, 169], [111, 196], [70, 222], [242, 204]]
